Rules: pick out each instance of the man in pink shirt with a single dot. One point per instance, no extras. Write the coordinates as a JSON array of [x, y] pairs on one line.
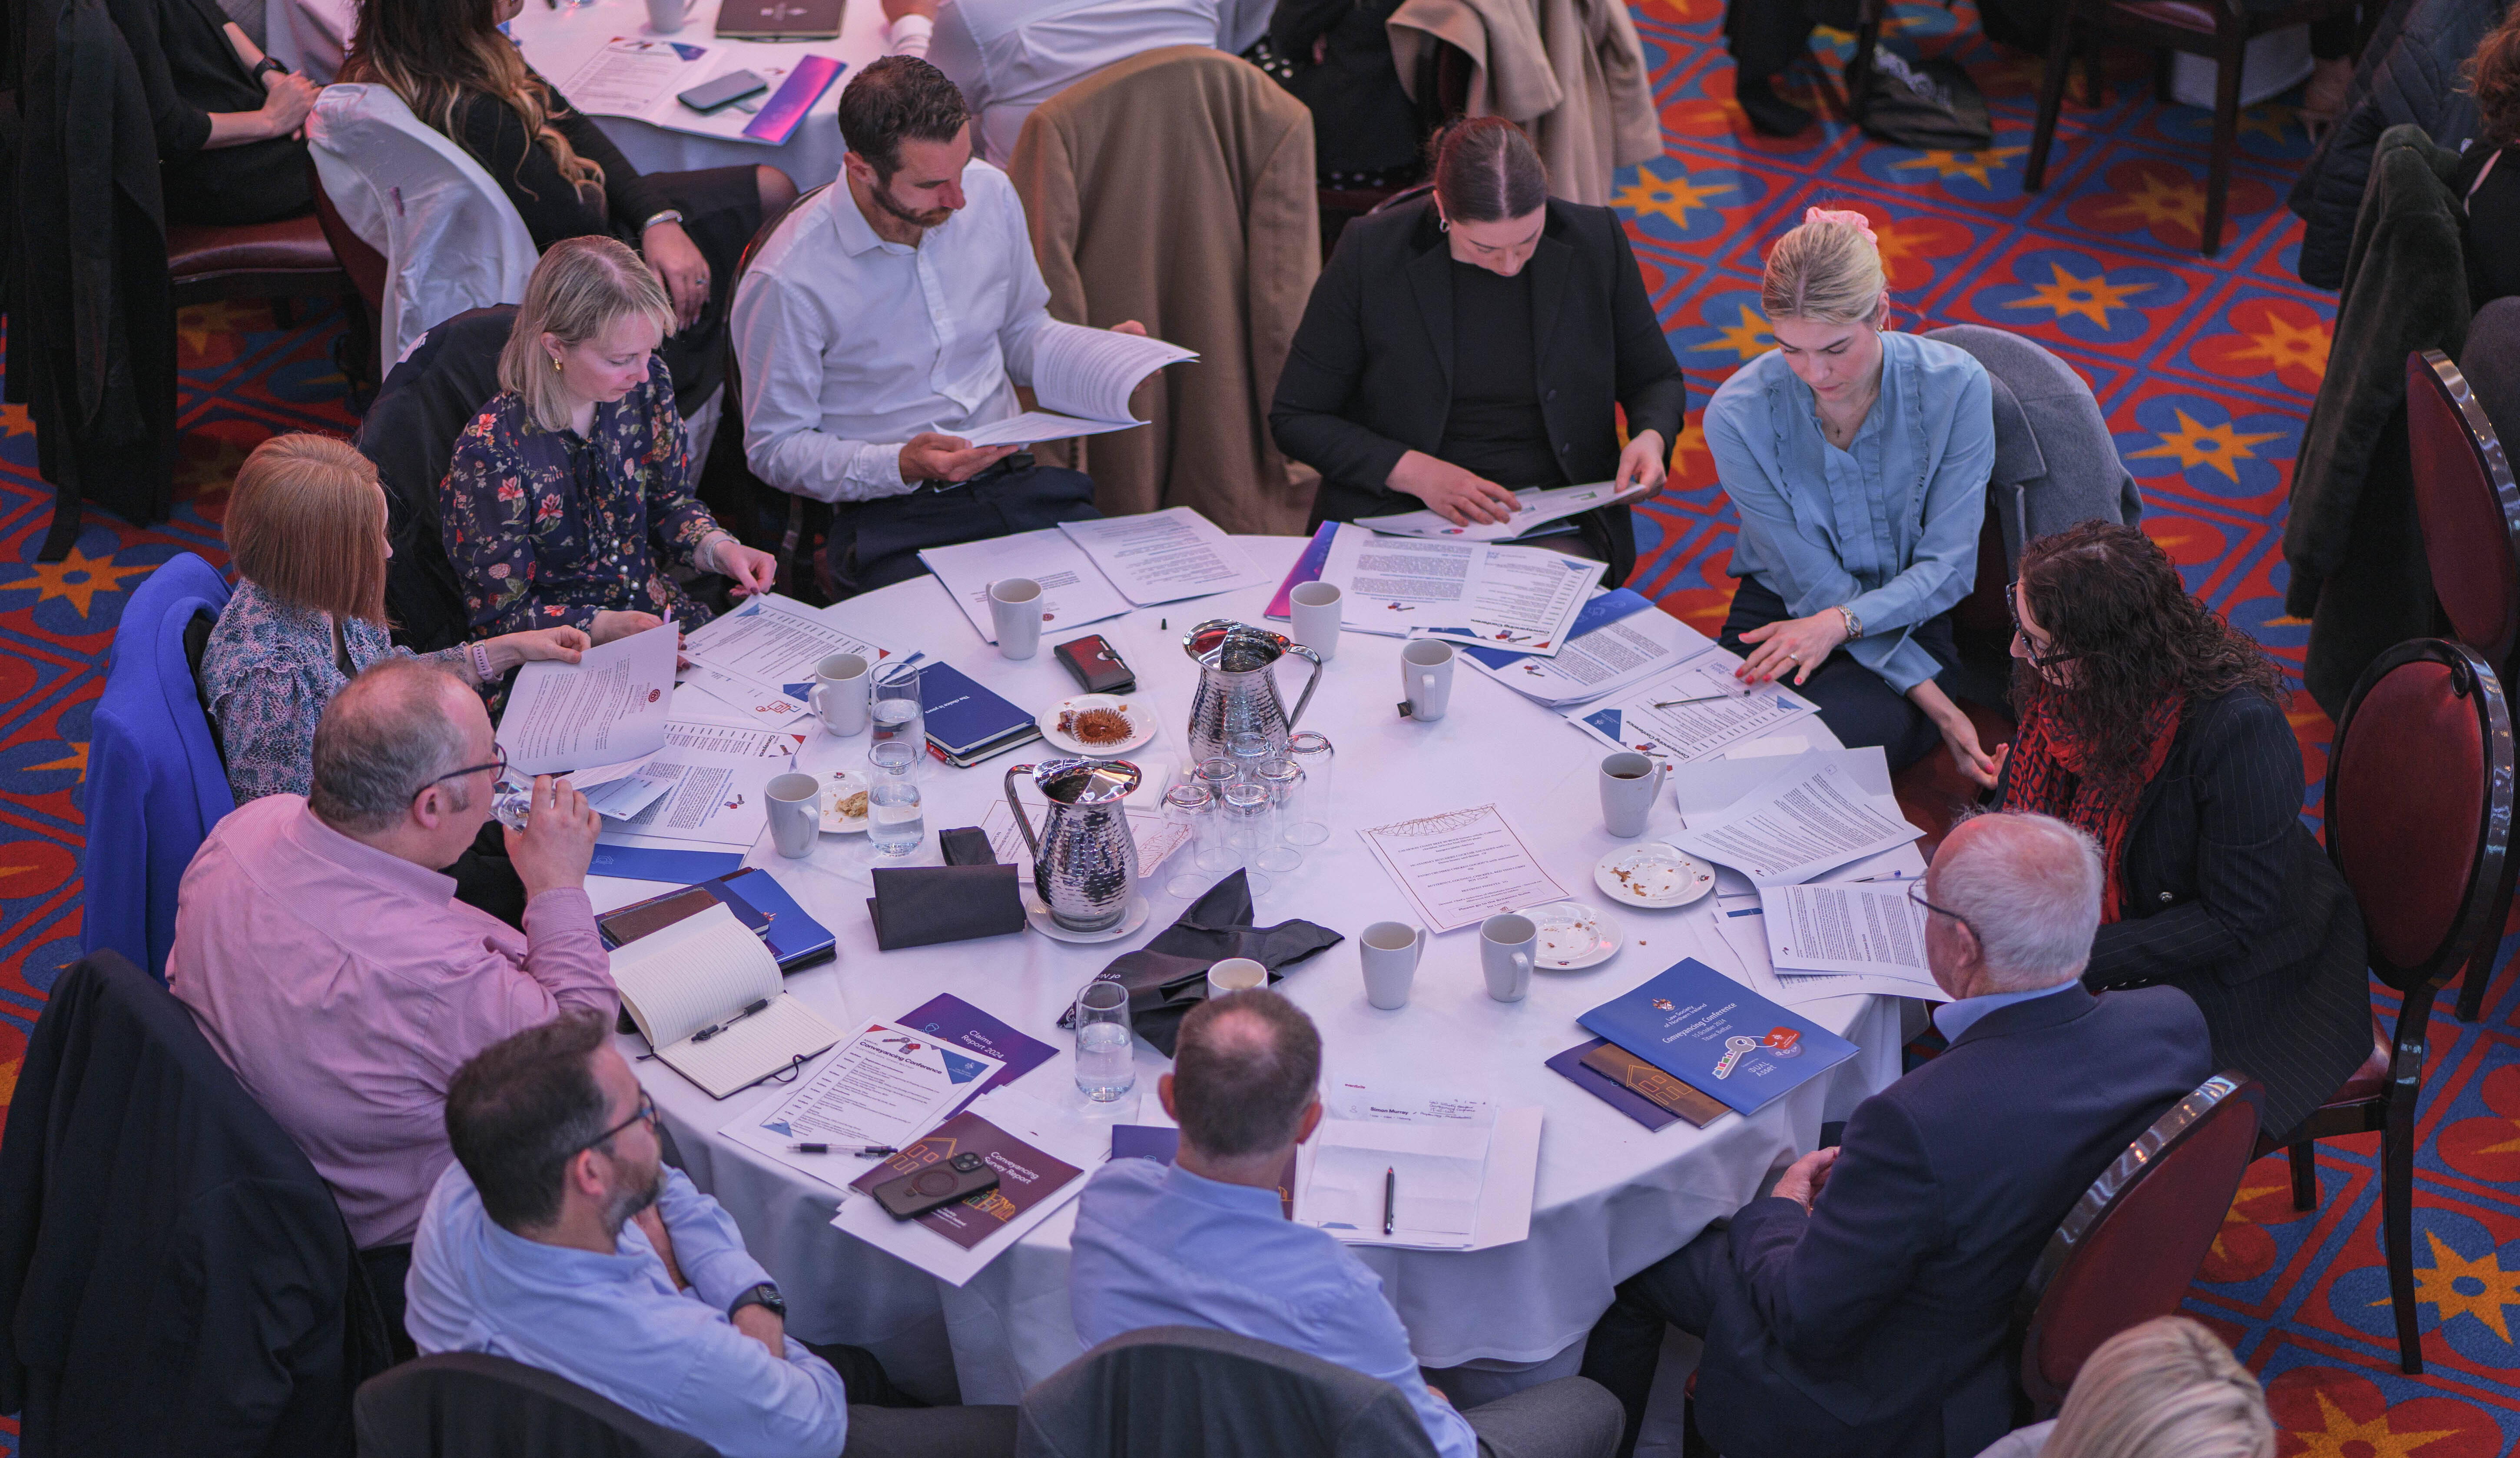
[[329, 963]]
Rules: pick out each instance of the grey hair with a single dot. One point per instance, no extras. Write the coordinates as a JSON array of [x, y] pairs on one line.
[[2031, 893], [382, 738]]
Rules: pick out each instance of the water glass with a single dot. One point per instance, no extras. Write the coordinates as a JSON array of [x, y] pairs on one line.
[[1283, 782], [1248, 829], [1308, 823], [1107, 1058], [1192, 808], [895, 714], [895, 824], [1249, 752], [1215, 776]]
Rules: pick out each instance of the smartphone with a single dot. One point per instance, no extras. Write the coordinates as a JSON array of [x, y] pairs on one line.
[[922, 1190], [725, 91], [1096, 665]]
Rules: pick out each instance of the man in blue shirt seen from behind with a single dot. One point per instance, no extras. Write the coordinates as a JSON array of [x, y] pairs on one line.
[[559, 1239], [1205, 1241]]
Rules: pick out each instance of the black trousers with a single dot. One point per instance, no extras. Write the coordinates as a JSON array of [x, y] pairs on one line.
[[1856, 704], [721, 208], [1765, 36], [877, 544]]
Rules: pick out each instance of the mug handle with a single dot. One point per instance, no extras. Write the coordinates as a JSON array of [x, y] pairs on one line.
[[814, 698]]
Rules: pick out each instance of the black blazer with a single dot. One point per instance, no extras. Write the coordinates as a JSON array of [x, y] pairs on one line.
[[1874, 1325], [1370, 376]]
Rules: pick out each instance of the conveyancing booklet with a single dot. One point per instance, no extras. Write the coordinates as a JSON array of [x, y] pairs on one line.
[[1718, 1036]]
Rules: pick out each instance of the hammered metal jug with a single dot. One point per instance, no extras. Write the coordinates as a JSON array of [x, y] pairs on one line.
[[1238, 694], [1084, 860]]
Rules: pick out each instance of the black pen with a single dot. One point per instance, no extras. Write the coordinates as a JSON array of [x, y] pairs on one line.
[[1390, 1192], [714, 1028], [868, 1152]]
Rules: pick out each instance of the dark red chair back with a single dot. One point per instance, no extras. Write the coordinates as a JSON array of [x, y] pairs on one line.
[[365, 265], [2133, 1242], [2467, 504], [2419, 807]]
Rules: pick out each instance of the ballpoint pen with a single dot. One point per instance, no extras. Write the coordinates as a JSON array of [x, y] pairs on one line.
[[1390, 1192], [869, 1152], [714, 1028], [1703, 699]]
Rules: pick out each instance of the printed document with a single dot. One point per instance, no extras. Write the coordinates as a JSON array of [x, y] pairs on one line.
[[1742, 926], [1694, 711], [1616, 655], [1073, 590], [1521, 597], [761, 658], [714, 776], [882, 1089], [638, 78], [1461, 868], [1873, 928], [1164, 556], [1455, 1172], [643, 78], [609, 706], [1538, 508], [1083, 379], [1040, 1151], [1807, 819]]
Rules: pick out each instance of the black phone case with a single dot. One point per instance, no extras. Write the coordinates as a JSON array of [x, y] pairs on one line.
[[922, 1190], [1096, 665]]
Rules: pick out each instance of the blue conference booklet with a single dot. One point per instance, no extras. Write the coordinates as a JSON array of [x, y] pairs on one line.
[[1718, 1036], [795, 938], [967, 722]]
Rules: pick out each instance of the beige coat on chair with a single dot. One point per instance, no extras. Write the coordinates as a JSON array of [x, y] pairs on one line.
[[1176, 188], [1571, 71]]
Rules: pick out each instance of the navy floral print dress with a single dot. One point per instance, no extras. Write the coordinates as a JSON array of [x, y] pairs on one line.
[[546, 530]]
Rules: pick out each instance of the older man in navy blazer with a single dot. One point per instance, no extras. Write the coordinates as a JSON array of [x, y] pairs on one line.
[[1859, 1309]]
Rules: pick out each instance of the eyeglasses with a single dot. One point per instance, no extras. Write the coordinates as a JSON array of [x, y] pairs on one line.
[[1917, 894], [500, 763], [647, 1112], [2030, 649]]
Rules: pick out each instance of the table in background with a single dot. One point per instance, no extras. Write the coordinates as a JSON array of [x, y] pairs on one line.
[[1611, 1198]]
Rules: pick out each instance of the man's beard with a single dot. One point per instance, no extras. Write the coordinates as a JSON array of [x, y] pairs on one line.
[[934, 217], [629, 1201]]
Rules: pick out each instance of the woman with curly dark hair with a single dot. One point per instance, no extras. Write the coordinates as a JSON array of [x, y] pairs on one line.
[[2489, 175], [2150, 721]]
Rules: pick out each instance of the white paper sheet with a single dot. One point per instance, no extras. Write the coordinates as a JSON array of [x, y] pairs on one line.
[[761, 658], [717, 773], [1389, 585], [1035, 425], [1527, 598], [1743, 926], [1091, 372], [1614, 656], [610, 705], [1539, 509], [1465, 1169], [1806, 819], [1073, 590], [1691, 711], [621, 798], [884, 1088], [1873, 928], [633, 77], [1052, 1130], [1164, 556], [1459, 867]]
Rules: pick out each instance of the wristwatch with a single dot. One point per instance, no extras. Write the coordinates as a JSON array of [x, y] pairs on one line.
[[766, 1297], [1853, 624], [669, 215], [267, 64]]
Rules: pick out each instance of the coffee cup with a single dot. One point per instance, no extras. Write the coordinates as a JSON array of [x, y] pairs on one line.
[[666, 17], [1426, 678], [794, 805], [1389, 950], [1314, 611], [1506, 945], [1629, 783], [1235, 974], [1014, 613], [838, 696]]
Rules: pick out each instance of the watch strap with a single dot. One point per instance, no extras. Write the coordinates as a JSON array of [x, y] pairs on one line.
[[665, 215], [763, 1295], [268, 64]]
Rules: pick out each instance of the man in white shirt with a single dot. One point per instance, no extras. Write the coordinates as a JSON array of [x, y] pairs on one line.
[[1009, 55], [885, 315]]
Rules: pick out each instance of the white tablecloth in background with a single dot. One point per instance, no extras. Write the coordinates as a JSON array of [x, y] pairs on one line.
[[1611, 1198]]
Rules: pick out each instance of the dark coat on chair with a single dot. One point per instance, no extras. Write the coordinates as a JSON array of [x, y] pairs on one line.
[[175, 1279], [2351, 540], [1191, 1390], [409, 434], [469, 1404], [1885, 1308], [2231, 901], [1371, 374]]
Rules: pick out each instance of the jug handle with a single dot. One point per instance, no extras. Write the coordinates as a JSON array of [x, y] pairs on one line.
[[1311, 683], [1023, 822]]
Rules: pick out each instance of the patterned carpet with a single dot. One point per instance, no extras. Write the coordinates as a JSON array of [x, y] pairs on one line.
[[2204, 368]]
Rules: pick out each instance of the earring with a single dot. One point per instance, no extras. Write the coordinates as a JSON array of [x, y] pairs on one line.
[[1443, 224], [554, 364]]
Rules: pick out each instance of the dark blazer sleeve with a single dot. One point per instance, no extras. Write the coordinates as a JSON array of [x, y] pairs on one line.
[[550, 205], [631, 198], [181, 126], [1650, 388], [1323, 366], [1821, 1280]]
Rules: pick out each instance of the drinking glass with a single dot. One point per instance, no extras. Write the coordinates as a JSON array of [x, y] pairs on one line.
[[896, 717], [1247, 829], [1249, 752], [1310, 822], [1107, 1059], [895, 824], [1215, 775], [1192, 807], [1283, 782]]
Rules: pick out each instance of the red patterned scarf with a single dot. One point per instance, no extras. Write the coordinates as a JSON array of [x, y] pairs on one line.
[[2045, 775]]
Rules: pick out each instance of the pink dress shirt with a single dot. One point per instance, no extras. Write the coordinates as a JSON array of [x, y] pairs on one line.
[[347, 985]]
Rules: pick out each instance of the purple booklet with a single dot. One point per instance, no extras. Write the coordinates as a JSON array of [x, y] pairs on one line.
[[778, 118], [956, 1021], [1645, 1111]]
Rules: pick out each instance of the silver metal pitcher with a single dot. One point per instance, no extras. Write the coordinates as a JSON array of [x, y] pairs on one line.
[[1084, 860], [1237, 691]]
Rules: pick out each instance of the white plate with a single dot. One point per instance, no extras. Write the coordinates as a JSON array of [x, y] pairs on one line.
[[1038, 917], [839, 785], [1142, 724], [1654, 874], [1572, 936]]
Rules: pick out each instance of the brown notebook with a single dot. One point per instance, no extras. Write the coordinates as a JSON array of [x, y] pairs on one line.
[[778, 19], [1647, 1082]]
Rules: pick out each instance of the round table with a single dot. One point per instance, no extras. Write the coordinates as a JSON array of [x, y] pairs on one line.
[[1611, 1197]]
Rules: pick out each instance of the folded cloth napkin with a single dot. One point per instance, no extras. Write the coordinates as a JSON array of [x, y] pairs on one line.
[[920, 905], [1168, 976]]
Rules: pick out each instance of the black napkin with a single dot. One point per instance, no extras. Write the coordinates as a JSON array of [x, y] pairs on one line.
[[920, 905], [1168, 976]]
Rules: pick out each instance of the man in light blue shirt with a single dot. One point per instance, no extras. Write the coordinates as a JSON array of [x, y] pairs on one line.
[[1205, 1241], [559, 1239]]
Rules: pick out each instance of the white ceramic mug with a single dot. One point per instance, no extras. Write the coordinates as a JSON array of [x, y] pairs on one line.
[[666, 17], [794, 805], [1235, 974], [1629, 783], [1314, 611], [1014, 611], [1426, 677], [1506, 945], [838, 696], [1389, 950]]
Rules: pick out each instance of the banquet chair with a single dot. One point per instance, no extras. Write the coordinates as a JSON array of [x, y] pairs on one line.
[[1442, 91], [2419, 810], [1172, 1390], [2132, 1244], [410, 434], [275, 262], [761, 516], [471, 1404]]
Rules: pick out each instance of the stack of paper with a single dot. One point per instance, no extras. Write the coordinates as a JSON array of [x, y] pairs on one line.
[[1520, 597], [1450, 1171], [1092, 570], [644, 79], [761, 658], [1538, 509], [1083, 379], [1462, 866], [1617, 642]]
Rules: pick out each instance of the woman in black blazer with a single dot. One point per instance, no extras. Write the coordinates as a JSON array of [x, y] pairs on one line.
[[2154, 725], [1475, 342]]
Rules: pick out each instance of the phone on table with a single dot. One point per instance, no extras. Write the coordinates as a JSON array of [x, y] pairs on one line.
[[922, 1190], [724, 92]]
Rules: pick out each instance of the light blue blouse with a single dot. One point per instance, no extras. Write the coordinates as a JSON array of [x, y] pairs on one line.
[[1888, 527]]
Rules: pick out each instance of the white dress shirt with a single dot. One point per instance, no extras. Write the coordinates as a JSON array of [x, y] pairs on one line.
[[851, 346], [1009, 55]]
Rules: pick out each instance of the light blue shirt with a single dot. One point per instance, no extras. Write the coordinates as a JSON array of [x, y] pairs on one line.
[[1886, 529], [1956, 1018], [1158, 1246], [615, 1323]]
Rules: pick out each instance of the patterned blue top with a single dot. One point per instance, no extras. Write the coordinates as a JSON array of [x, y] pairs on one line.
[[1886, 529], [546, 530], [268, 672]]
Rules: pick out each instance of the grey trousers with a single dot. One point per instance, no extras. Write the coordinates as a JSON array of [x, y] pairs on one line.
[[937, 1432], [1573, 1417]]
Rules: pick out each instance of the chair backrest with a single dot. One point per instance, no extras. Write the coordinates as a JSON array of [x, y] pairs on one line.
[[759, 514], [2419, 807], [154, 772], [2491, 361], [469, 1404], [2466, 503], [452, 240], [2057, 462], [2132, 1244], [368, 270], [409, 434], [1173, 1390]]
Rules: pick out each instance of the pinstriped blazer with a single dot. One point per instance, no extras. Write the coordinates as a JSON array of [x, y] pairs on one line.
[[2230, 899]]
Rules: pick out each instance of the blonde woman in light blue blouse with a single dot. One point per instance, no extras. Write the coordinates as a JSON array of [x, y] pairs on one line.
[[1858, 459]]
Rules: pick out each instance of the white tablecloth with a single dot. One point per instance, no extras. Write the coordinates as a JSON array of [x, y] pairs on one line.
[[1611, 1199]]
